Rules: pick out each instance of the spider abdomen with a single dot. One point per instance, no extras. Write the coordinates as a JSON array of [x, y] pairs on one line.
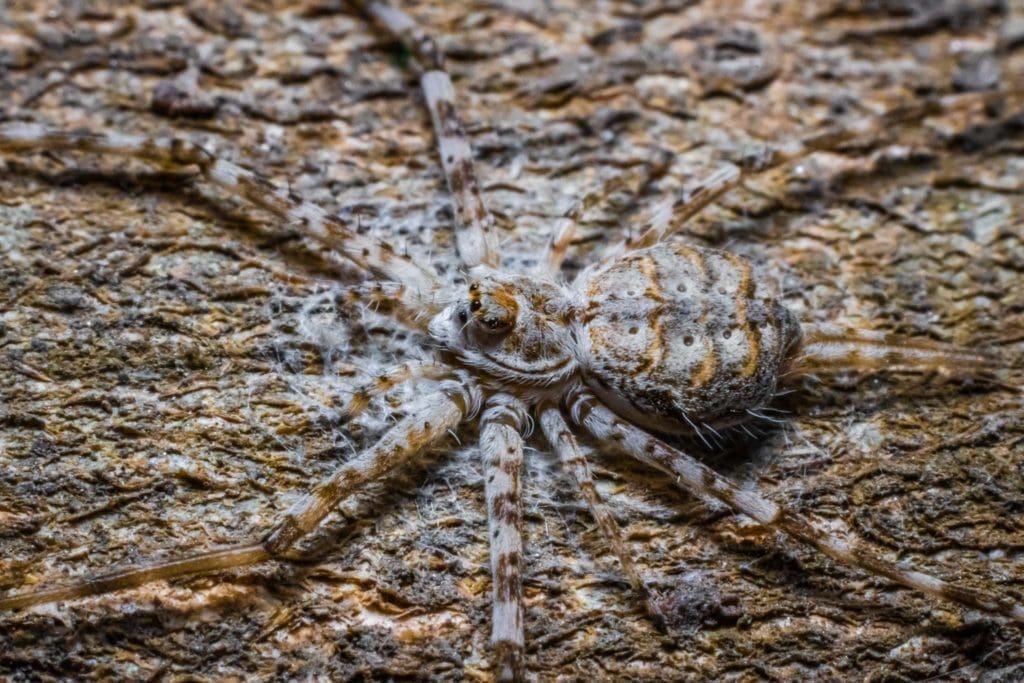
[[675, 337]]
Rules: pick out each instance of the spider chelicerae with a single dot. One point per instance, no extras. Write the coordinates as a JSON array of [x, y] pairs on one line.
[[654, 338]]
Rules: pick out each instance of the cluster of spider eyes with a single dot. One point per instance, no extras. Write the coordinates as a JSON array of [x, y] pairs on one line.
[[494, 324], [474, 306]]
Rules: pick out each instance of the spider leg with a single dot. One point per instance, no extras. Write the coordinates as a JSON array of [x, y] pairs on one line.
[[669, 220], [385, 298], [569, 453], [566, 227], [386, 380], [501, 445], [831, 349], [703, 482], [685, 207], [133, 577], [418, 282], [475, 237], [441, 412]]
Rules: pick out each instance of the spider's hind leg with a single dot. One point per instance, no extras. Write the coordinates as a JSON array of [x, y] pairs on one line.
[[703, 482], [833, 349], [557, 432]]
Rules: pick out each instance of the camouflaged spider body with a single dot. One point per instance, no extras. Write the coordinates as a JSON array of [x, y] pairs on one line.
[[673, 337], [677, 337]]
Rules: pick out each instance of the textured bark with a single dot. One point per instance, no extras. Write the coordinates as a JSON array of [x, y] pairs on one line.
[[171, 361]]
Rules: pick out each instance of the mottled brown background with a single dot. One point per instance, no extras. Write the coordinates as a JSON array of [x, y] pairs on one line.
[[169, 358]]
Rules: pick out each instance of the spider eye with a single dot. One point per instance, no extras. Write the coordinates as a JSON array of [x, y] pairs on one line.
[[475, 306], [495, 324], [463, 316]]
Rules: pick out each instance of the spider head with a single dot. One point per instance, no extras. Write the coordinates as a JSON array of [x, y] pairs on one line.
[[512, 327], [492, 311]]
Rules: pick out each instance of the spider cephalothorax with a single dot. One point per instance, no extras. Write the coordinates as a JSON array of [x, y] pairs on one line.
[[515, 328]]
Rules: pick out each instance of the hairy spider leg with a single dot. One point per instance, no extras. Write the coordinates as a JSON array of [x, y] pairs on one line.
[[564, 443], [672, 219], [501, 445], [686, 206], [829, 349], [384, 298], [418, 282], [475, 236], [427, 424], [386, 380], [634, 179], [439, 413], [703, 482], [667, 221]]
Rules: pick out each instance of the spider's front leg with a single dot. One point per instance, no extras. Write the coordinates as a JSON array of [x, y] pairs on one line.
[[703, 482], [501, 445], [475, 235], [437, 415], [416, 282]]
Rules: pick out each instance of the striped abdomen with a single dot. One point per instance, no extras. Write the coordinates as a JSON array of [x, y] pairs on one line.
[[676, 337]]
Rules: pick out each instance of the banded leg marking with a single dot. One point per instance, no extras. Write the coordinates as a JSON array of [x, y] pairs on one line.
[[681, 211], [418, 282], [566, 228], [556, 431], [387, 379], [475, 236], [501, 446], [831, 349], [441, 412], [701, 481], [445, 410]]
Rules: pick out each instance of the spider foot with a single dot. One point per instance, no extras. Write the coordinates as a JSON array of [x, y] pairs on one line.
[[510, 663]]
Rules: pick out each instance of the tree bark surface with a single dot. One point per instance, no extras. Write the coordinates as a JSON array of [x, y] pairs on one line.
[[172, 361]]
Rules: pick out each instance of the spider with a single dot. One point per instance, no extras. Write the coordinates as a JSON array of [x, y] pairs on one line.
[[654, 347]]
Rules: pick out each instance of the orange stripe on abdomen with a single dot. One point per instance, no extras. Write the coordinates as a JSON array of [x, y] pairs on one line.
[[709, 366], [745, 292]]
